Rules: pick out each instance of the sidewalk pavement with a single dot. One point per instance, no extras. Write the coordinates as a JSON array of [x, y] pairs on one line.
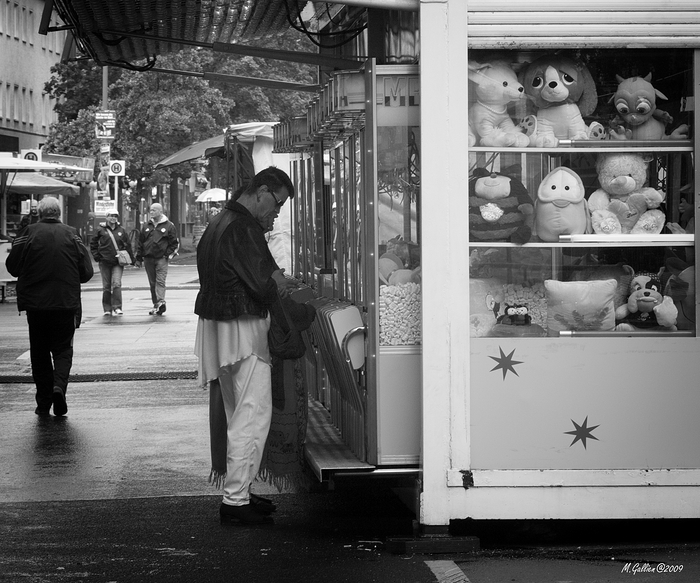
[[117, 490]]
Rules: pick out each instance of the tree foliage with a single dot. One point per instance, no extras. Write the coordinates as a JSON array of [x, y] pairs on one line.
[[158, 114]]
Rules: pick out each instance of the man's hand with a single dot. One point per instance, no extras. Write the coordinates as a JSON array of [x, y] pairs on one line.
[[137, 264]]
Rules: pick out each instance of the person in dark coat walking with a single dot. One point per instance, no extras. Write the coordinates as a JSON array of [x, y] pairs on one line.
[[157, 245], [50, 262], [110, 238]]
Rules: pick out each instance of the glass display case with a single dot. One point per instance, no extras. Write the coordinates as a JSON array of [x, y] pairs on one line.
[[582, 247], [357, 174], [581, 193]]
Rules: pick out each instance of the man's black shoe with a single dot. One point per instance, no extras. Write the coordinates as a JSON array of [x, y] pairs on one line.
[[60, 407], [263, 505]]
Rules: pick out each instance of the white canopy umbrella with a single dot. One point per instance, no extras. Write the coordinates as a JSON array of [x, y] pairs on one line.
[[11, 164], [212, 195]]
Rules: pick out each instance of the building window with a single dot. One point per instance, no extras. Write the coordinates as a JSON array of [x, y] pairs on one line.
[[16, 19]]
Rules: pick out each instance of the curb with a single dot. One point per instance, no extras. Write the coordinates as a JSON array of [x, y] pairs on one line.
[[110, 376]]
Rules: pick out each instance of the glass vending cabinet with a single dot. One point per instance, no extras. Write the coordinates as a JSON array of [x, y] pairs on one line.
[[582, 244], [357, 246]]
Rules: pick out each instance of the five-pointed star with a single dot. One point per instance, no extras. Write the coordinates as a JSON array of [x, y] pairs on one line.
[[582, 432], [505, 363]]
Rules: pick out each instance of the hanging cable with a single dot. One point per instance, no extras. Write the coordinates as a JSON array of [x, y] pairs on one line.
[[310, 35]]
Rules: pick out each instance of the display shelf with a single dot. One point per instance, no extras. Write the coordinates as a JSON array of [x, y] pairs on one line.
[[592, 240], [567, 147]]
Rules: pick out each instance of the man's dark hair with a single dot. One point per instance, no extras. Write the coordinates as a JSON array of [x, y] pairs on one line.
[[273, 178]]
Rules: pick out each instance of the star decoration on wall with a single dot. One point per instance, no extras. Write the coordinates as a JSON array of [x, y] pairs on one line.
[[505, 363], [582, 432]]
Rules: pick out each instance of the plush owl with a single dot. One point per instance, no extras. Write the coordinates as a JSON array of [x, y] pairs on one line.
[[560, 208], [500, 208]]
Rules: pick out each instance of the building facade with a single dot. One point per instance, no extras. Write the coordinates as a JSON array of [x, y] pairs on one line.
[[26, 58]]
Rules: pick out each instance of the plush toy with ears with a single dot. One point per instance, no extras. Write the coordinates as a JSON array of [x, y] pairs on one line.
[[637, 117], [646, 308], [562, 91], [623, 204], [496, 86]]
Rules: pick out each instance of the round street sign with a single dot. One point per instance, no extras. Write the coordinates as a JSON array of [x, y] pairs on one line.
[[117, 168]]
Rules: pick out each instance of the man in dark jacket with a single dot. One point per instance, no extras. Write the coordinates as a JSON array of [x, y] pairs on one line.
[[239, 282], [50, 262], [157, 245], [31, 218]]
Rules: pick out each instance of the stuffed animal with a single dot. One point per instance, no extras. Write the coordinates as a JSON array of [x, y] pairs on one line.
[[471, 139], [495, 85], [485, 301], [562, 91], [516, 322], [500, 209], [560, 208], [646, 309], [623, 204], [637, 115], [516, 315]]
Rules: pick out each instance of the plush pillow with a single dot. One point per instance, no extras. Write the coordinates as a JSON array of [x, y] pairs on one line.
[[580, 305]]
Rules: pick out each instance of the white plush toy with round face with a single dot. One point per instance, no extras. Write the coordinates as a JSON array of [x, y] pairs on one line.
[[496, 86], [560, 208]]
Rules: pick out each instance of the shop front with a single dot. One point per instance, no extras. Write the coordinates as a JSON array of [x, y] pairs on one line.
[[498, 318], [574, 398]]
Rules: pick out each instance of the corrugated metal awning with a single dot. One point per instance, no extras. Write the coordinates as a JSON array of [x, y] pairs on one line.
[[595, 23], [101, 27]]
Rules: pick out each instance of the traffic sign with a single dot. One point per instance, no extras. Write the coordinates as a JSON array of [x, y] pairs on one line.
[[34, 155], [117, 168]]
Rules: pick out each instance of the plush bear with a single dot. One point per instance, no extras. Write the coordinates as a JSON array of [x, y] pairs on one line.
[[562, 91], [560, 208], [646, 309], [495, 85], [500, 209], [623, 204], [637, 115]]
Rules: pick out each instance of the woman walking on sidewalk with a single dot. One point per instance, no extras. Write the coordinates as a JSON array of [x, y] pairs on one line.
[[105, 245]]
